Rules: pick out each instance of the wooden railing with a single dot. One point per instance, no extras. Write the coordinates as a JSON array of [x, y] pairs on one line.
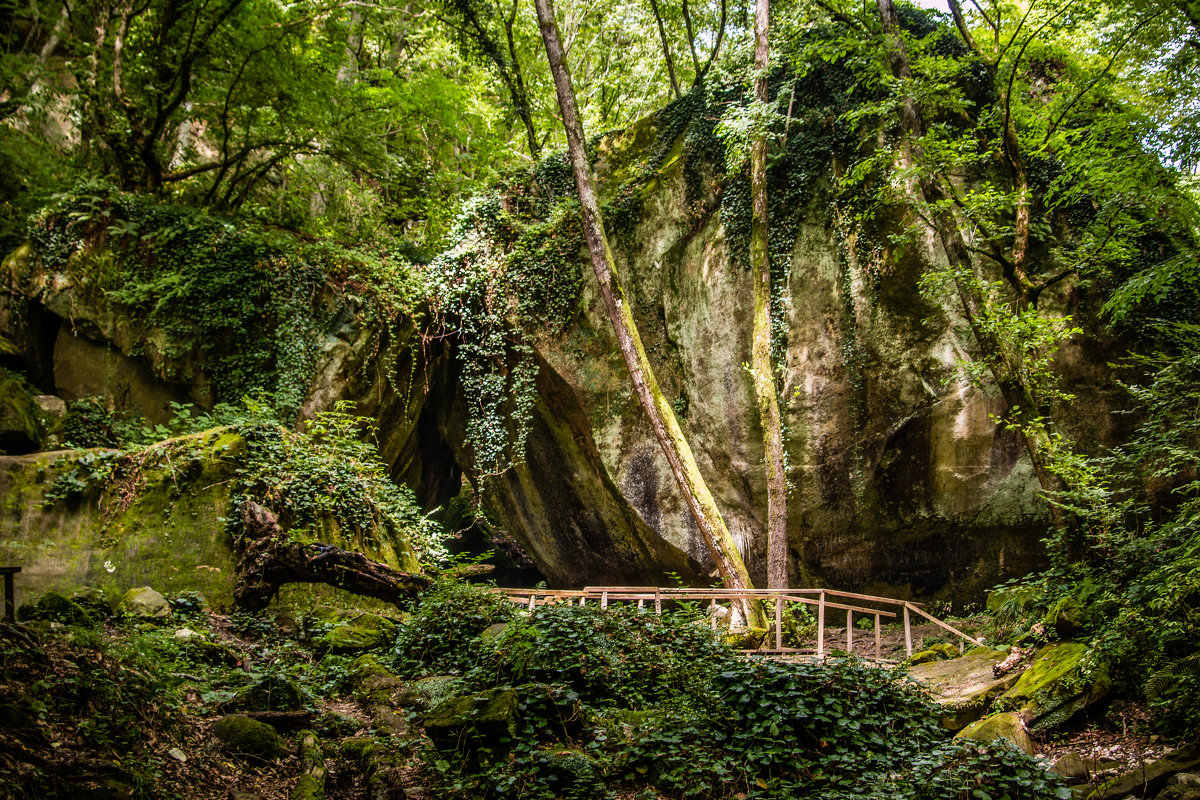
[[825, 600]]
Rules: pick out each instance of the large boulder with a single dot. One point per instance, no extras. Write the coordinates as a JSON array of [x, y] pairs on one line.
[[487, 716], [964, 687], [1059, 682]]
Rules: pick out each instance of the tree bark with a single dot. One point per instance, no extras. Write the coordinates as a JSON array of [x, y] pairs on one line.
[[760, 275], [267, 560], [662, 419]]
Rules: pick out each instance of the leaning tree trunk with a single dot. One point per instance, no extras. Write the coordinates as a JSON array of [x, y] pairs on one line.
[[764, 376], [662, 417]]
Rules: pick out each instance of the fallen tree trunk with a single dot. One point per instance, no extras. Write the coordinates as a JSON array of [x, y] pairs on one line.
[[268, 559]]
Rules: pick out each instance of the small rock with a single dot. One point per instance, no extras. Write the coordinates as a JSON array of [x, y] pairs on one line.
[[145, 603], [177, 754], [245, 737], [184, 634], [1187, 779]]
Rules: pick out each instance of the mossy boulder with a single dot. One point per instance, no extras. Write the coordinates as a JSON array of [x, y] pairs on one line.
[[144, 603], [1059, 682], [20, 421], [1005, 725], [355, 634], [938, 652], [247, 738], [53, 607], [373, 684], [269, 693], [486, 716], [1065, 618], [427, 692]]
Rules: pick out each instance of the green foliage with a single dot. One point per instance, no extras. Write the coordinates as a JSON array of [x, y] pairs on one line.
[[330, 480], [614, 657], [648, 705], [443, 634]]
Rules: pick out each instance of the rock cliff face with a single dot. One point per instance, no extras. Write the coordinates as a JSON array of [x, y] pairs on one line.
[[902, 482]]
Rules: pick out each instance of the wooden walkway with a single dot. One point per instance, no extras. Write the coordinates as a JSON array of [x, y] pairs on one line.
[[720, 602]]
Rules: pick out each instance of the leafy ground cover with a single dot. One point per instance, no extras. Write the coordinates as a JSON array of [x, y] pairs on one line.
[[596, 705]]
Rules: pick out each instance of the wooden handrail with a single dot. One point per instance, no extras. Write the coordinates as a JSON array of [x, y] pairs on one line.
[[824, 599]]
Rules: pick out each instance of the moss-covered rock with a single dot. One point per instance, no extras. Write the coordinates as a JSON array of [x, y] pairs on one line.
[[247, 738], [746, 639], [938, 652], [1005, 725], [1060, 681], [488, 715], [144, 603], [20, 421], [269, 693], [53, 607], [357, 633], [427, 692], [1065, 618]]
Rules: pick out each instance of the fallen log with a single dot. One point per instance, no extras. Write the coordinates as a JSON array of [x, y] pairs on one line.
[[268, 559]]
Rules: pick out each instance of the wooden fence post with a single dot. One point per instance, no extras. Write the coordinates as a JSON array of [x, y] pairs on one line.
[[821, 626], [907, 631], [849, 631], [657, 601], [878, 640], [778, 622]]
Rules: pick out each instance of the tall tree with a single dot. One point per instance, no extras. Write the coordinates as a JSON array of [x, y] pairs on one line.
[[760, 275], [474, 21], [658, 411]]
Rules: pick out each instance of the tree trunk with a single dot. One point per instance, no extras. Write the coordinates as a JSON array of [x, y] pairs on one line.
[[764, 375], [659, 412], [267, 560], [666, 45]]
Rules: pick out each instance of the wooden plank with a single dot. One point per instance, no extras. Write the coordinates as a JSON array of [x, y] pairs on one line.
[[950, 628]]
